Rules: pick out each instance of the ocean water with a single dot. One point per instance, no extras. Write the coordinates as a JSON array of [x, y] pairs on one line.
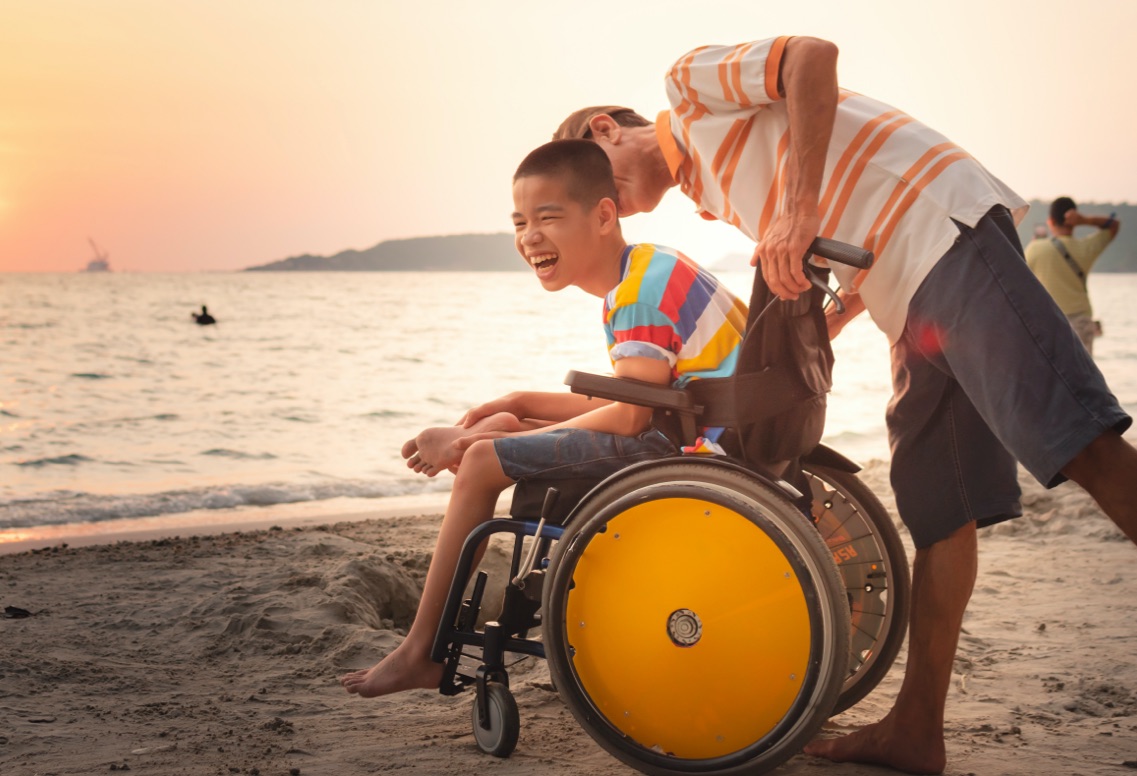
[[114, 404]]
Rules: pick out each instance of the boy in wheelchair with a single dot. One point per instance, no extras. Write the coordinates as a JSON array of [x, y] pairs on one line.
[[667, 322]]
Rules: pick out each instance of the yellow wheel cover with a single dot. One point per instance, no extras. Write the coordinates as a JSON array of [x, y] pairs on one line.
[[688, 628]]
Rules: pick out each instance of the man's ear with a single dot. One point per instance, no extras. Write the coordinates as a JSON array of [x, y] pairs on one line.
[[608, 215], [604, 126]]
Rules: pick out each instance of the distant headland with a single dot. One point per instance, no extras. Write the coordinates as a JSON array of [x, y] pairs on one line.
[[458, 252], [495, 252]]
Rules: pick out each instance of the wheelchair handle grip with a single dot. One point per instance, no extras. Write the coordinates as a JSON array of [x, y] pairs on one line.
[[843, 253]]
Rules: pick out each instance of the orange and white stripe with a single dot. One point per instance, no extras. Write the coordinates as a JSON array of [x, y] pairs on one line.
[[891, 183]]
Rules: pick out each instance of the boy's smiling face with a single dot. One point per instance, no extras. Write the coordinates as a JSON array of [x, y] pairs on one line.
[[565, 243]]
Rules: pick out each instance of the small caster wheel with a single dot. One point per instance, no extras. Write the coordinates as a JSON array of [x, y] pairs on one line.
[[498, 734]]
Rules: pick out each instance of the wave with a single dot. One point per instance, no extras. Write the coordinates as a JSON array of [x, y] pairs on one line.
[[386, 414], [860, 446], [29, 326], [74, 459], [63, 507], [238, 455]]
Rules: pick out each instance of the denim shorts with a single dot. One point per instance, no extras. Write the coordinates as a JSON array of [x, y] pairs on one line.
[[570, 453], [988, 371]]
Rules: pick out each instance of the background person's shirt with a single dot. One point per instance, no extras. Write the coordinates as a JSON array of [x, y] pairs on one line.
[[1056, 274], [891, 184]]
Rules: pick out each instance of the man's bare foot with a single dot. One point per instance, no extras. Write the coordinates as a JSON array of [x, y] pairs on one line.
[[401, 670], [433, 450], [881, 744]]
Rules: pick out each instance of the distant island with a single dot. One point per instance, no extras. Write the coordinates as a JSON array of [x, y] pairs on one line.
[[495, 252], [458, 252]]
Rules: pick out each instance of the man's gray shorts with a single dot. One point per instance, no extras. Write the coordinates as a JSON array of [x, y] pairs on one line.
[[988, 370]]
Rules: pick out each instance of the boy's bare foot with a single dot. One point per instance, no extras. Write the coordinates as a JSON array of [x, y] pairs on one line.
[[401, 670], [881, 744], [410, 447], [433, 450]]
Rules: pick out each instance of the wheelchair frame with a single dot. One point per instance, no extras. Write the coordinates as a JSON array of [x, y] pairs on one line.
[[495, 717]]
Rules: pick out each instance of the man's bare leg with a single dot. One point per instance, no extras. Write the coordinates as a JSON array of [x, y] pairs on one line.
[[433, 451], [910, 738], [476, 488], [1107, 470]]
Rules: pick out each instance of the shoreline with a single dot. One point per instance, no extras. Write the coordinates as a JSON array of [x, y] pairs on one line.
[[206, 522], [211, 522]]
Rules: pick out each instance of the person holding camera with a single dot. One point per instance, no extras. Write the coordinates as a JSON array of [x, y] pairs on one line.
[[1062, 262]]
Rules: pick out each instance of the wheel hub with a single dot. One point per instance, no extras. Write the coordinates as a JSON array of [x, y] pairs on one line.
[[684, 627]]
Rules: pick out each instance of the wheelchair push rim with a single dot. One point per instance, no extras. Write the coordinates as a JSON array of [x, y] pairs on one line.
[[870, 555], [695, 624]]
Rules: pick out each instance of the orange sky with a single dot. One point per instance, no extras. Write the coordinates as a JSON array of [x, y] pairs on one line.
[[215, 135]]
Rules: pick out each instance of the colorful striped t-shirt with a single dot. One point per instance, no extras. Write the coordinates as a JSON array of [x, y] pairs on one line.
[[669, 308]]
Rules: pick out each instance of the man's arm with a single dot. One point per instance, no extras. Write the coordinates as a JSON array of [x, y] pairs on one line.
[[809, 82], [1074, 218], [834, 321]]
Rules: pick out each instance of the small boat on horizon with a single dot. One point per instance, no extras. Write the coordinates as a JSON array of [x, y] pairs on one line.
[[100, 263]]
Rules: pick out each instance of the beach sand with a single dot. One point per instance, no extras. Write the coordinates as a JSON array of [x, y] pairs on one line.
[[220, 654]]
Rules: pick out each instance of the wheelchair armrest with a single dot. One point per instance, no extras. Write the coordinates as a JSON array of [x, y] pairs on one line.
[[630, 391]]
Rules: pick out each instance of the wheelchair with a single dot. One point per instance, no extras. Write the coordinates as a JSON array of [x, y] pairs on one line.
[[698, 615]]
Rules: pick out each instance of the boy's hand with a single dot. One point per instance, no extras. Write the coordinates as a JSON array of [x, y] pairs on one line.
[[474, 414]]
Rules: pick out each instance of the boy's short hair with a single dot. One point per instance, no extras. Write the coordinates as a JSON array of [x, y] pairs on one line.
[[580, 164], [1058, 209], [576, 125]]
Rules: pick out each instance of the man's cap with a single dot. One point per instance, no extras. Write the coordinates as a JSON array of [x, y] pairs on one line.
[[576, 125], [1059, 208]]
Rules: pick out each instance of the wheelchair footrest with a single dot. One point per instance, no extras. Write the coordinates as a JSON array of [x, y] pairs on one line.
[[519, 614]]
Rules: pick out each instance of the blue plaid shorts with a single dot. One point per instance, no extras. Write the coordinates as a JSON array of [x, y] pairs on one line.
[[570, 453]]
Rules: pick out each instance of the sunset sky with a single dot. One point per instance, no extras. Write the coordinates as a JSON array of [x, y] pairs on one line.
[[218, 134]]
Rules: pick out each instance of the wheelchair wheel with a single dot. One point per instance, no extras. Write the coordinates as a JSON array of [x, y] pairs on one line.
[[498, 734], [870, 556], [695, 621]]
